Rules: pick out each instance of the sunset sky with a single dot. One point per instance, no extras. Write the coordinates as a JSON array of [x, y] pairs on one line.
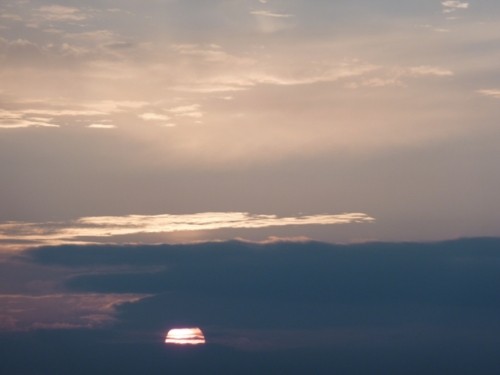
[[251, 124], [292, 108]]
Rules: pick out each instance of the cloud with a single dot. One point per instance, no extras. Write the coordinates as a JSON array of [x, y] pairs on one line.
[[265, 13], [61, 13], [39, 114], [450, 6], [192, 110], [292, 75], [64, 112], [101, 38], [270, 22], [108, 226], [327, 74], [184, 109], [294, 305], [289, 74], [210, 53], [10, 119], [60, 311], [20, 52], [150, 116], [397, 76], [114, 106], [492, 93], [292, 285], [101, 126], [426, 70], [20, 124], [11, 17], [28, 118]]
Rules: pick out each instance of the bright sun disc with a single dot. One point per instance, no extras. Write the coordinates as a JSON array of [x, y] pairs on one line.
[[182, 336]]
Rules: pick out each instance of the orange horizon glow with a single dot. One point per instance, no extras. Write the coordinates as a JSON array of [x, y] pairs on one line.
[[185, 336]]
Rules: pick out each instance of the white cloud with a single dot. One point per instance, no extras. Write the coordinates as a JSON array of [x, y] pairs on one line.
[[101, 126], [396, 76], [108, 226], [64, 112], [266, 13], [492, 93], [150, 116], [210, 53], [287, 76], [328, 75], [270, 22], [93, 108], [208, 88], [425, 70], [450, 6], [17, 124], [192, 110], [17, 120], [113, 106], [60, 13]]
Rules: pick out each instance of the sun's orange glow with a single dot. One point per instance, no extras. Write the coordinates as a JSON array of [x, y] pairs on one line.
[[182, 336]]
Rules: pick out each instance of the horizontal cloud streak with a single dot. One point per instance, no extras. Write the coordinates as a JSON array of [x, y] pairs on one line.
[[60, 311], [102, 126], [450, 6], [492, 93], [108, 226], [266, 13]]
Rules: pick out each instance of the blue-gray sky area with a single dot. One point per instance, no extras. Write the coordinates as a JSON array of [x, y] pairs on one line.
[[289, 109], [284, 307]]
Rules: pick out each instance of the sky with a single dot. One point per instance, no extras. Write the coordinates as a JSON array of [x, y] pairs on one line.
[[288, 108], [322, 172]]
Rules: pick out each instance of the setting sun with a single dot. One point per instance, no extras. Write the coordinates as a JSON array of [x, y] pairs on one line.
[[182, 336]]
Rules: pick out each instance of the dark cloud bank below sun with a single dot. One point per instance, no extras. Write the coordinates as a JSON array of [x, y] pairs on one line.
[[282, 307]]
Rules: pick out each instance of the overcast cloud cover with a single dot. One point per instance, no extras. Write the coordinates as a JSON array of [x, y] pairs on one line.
[[171, 162], [379, 307]]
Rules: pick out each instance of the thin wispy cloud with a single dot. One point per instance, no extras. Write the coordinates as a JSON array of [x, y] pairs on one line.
[[19, 124], [11, 17], [492, 93], [109, 226], [399, 76], [101, 126], [60, 311], [46, 116], [269, 22], [425, 70], [266, 13], [450, 6], [192, 110], [10, 119], [150, 116], [61, 13], [64, 112]]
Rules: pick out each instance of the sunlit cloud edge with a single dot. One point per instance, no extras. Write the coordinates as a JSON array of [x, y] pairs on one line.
[[75, 231]]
